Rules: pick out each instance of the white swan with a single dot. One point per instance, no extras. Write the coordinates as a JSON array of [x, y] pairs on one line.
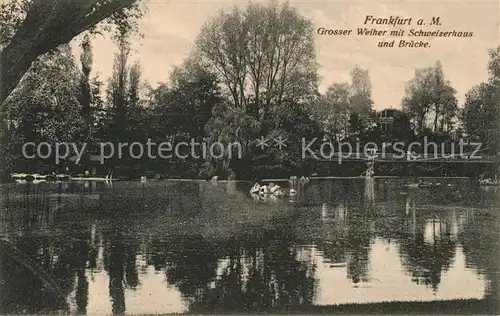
[[278, 192], [304, 179], [273, 187], [255, 189], [19, 175], [255, 196]]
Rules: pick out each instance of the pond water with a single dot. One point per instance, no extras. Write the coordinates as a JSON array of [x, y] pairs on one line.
[[171, 247]]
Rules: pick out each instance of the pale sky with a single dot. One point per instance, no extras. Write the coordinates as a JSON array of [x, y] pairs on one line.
[[170, 29]]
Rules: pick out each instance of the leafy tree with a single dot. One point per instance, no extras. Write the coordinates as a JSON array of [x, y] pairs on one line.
[[263, 55], [226, 126], [31, 28], [399, 130], [289, 122], [445, 111], [97, 108], [134, 84], [122, 93], [345, 109], [125, 118], [480, 113], [293, 122]]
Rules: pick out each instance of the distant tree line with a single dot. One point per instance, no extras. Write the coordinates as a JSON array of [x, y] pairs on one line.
[[252, 73]]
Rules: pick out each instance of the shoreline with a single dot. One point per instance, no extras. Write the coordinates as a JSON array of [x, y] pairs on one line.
[[444, 307]]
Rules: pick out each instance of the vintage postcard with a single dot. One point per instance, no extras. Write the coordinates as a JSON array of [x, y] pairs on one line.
[[249, 157]]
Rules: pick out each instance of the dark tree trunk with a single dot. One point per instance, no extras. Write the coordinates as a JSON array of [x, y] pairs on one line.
[[48, 24]]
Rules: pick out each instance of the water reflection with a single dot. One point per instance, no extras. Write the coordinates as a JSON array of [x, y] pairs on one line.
[[173, 247]]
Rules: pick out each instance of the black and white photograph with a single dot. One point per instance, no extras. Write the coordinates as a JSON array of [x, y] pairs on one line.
[[255, 157]]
